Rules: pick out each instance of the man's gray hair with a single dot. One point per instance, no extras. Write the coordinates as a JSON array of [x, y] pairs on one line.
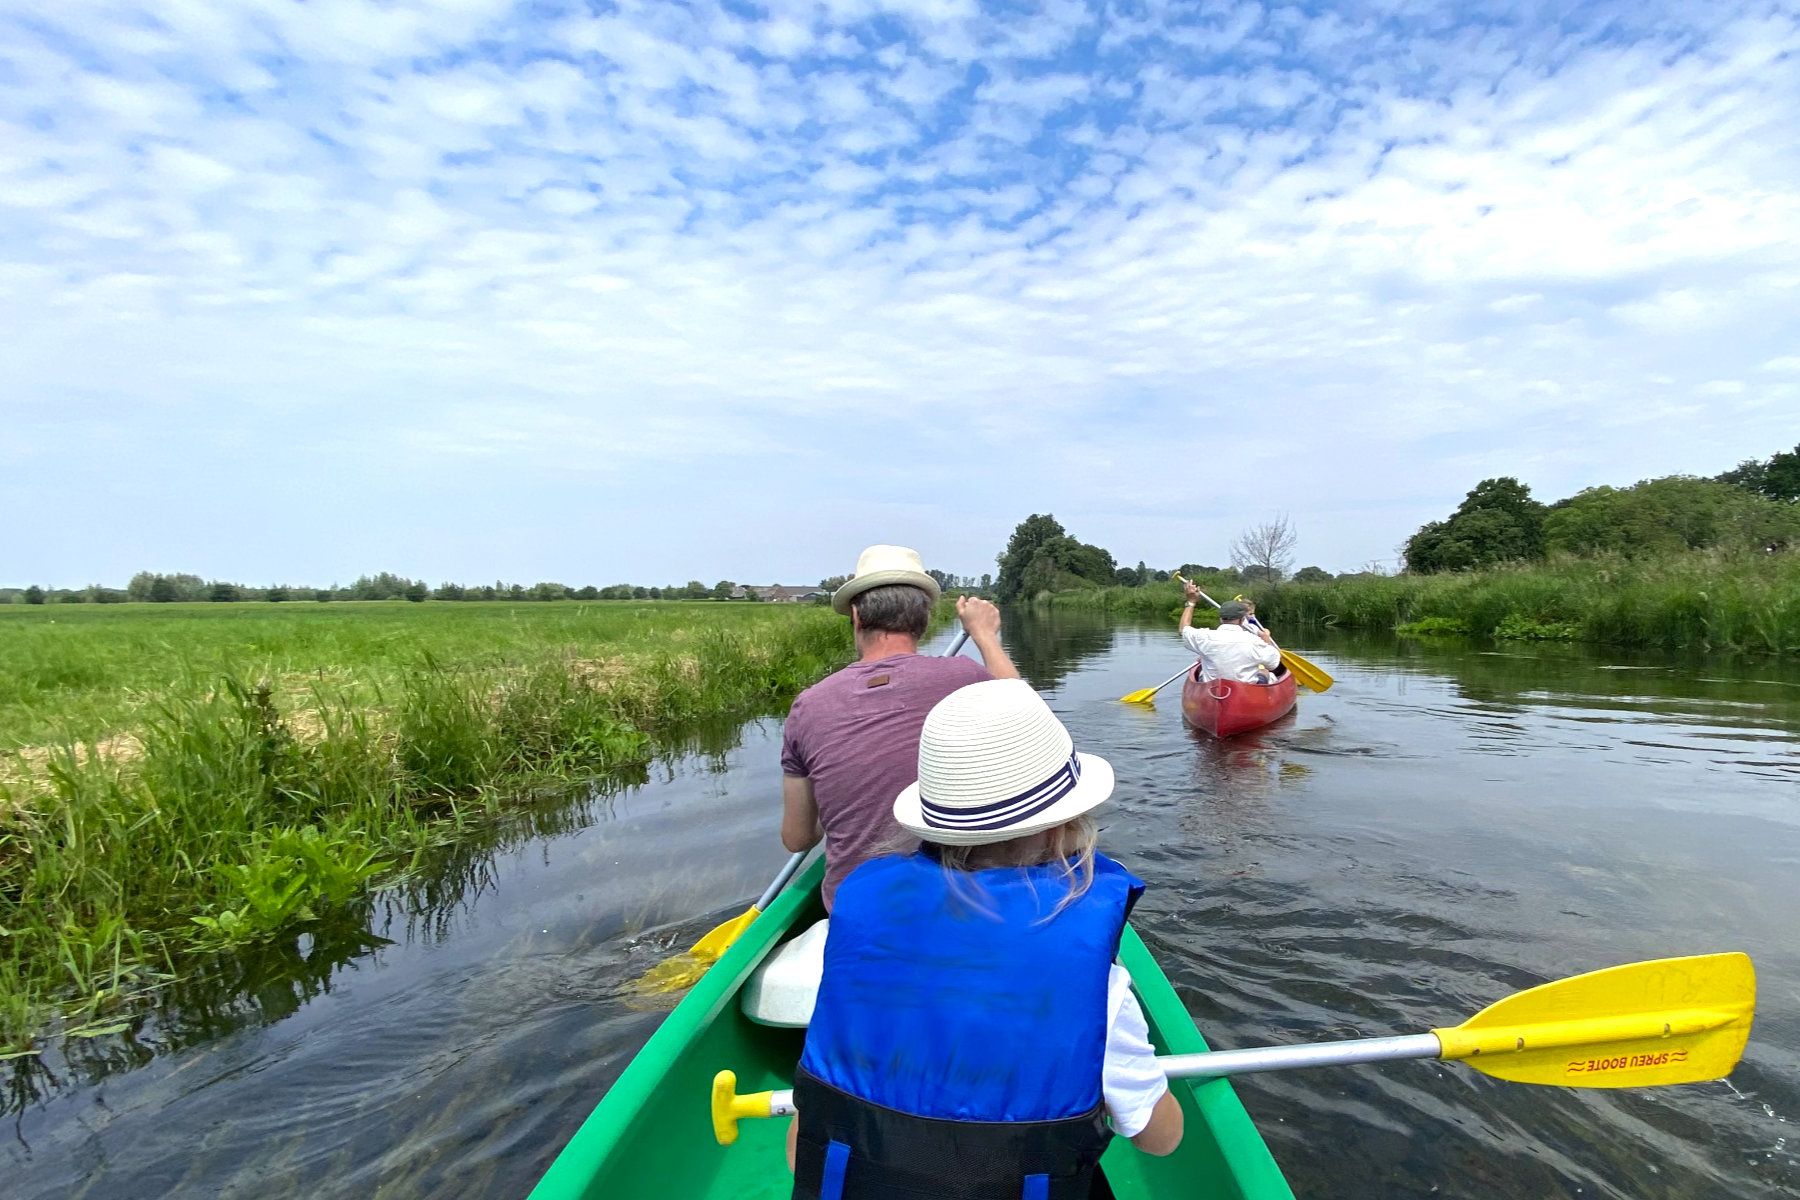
[[894, 608]]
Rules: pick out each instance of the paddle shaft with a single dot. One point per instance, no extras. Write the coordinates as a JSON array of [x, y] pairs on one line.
[[781, 880], [1254, 623], [1289, 1058], [1171, 679]]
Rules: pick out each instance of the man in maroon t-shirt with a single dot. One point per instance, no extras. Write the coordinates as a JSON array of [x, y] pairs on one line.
[[851, 743]]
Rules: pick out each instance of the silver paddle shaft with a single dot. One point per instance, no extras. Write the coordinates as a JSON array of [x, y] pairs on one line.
[[1254, 623], [1261, 1058], [781, 880], [1292, 1058]]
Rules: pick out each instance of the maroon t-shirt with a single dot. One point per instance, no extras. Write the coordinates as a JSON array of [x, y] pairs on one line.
[[855, 734]]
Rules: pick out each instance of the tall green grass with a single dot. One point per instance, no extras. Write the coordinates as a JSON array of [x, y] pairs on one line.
[[1708, 599], [241, 811]]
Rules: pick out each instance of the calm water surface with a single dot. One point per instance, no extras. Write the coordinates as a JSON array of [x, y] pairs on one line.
[[1447, 825]]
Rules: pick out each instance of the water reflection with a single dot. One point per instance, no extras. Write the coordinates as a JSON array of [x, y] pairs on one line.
[[1047, 646]]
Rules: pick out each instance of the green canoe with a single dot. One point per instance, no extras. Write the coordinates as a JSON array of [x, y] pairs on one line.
[[651, 1136]]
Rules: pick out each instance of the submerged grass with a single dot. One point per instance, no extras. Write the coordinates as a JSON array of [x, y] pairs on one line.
[[267, 797], [1706, 600]]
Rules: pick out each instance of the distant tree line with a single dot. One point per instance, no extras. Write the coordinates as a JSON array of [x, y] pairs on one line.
[[1042, 556], [1755, 505], [151, 588]]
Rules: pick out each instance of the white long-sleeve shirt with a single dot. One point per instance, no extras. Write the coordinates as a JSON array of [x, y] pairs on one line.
[[1230, 652], [1131, 1079]]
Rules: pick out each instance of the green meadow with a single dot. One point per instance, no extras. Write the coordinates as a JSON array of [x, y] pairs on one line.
[[179, 780]]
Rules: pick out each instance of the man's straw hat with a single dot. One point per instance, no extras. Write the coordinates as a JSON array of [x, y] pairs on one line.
[[994, 764], [880, 565]]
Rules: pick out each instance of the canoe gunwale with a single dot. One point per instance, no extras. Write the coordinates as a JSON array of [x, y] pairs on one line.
[[600, 1134]]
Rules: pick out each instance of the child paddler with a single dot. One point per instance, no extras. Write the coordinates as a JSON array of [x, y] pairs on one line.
[[973, 1038]]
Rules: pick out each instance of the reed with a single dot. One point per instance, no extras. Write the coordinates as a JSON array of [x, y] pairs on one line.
[[1704, 599], [228, 810]]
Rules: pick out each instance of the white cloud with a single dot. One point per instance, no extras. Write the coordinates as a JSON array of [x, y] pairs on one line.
[[635, 241]]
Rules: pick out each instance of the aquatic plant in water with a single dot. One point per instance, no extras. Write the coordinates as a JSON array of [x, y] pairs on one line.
[[246, 814]]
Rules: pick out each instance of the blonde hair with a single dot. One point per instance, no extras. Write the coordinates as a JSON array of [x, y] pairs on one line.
[[1070, 845]]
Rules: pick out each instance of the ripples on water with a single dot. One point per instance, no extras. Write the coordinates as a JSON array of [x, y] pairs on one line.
[[1443, 828]]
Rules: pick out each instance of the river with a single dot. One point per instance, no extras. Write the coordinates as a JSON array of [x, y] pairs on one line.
[[1449, 824]]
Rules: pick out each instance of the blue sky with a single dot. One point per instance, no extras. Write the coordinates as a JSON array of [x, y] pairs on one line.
[[471, 289]]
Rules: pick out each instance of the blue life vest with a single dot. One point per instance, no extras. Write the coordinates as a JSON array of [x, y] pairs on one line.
[[958, 1040]]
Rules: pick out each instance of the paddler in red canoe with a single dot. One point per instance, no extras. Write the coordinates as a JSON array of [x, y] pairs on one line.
[[1233, 651]]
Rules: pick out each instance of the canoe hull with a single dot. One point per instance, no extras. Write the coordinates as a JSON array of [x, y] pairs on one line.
[[651, 1136], [1225, 707]]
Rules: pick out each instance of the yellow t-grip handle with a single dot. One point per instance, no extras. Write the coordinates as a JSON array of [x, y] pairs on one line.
[[728, 1107]]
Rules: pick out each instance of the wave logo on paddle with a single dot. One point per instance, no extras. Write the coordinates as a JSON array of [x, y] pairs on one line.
[[1625, 1062]]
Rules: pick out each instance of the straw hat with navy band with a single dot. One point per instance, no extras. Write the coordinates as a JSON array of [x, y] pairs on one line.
[[880, 565], [994, 764]]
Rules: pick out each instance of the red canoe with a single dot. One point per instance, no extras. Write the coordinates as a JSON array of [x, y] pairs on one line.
[[1224, 707]]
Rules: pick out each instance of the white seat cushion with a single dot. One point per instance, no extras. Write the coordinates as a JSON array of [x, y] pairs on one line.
[[781, 991]]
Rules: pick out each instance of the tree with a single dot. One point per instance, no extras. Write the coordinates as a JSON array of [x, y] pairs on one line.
[[1267, 549], [1026, 539], [1497, 521], [221, 592], [416, 591], [1312, 575], [1042, 557], [722, 589], [1676, 512], [640, 593], [34, 594], [276, 594], [1778, 479]]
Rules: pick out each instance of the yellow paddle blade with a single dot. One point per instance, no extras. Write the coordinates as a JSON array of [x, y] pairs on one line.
[[1305, 673], [1140, 696], [684, 970], [719, 939], [1673, 1020]]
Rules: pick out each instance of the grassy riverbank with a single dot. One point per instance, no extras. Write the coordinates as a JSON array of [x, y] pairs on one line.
[[1715, 600], [178, 780]]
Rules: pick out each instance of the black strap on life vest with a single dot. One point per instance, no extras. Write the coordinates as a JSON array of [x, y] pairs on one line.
[[852, 1149]]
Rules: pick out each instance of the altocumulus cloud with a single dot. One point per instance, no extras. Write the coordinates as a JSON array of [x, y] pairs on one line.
[[572, 289]]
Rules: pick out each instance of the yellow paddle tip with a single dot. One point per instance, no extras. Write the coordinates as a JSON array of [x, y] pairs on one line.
[[1672, 1020]]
